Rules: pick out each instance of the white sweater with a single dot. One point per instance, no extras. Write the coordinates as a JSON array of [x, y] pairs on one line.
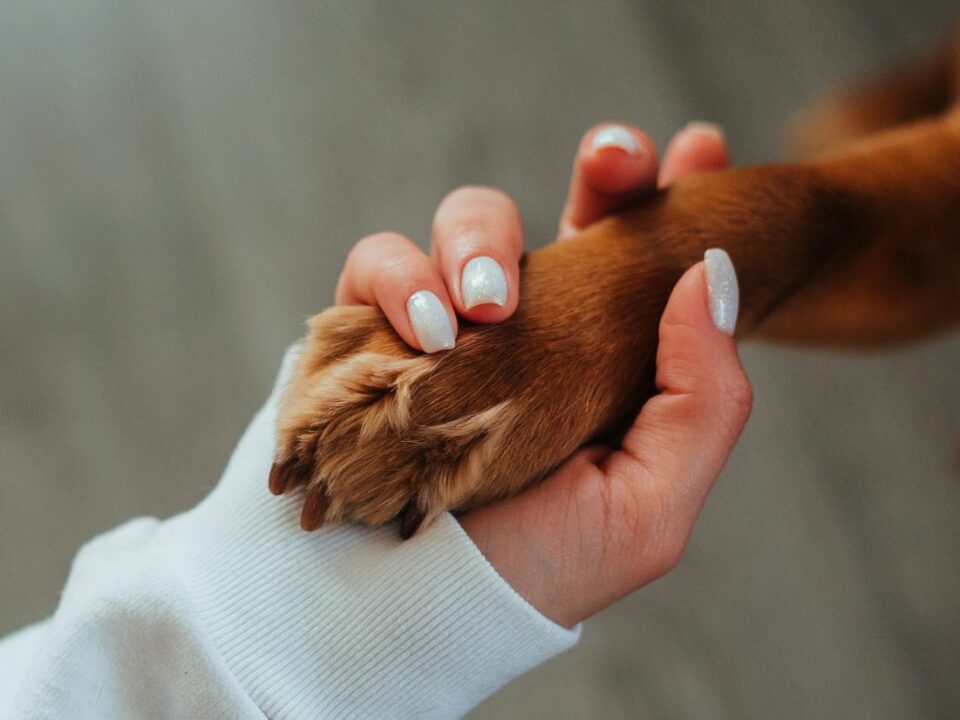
[[231, 611]]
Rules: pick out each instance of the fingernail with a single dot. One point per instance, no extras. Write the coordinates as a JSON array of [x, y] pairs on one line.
[[483, 282], [702, 127], [430, 321], [616, 136], [723, 293]]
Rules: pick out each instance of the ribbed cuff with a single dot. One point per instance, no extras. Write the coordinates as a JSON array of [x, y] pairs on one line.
[[347, 621]]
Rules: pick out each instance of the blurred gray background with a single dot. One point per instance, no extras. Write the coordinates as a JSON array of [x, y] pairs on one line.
[[180, 182]]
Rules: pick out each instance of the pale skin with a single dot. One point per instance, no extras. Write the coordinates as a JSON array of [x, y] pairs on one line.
[[608, 521]]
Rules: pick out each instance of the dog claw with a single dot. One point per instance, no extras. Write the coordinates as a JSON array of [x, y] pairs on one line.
[[280, 477], [410, 521], [314, 509]]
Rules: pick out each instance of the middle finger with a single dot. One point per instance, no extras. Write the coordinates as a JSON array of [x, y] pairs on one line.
[[477, 243]]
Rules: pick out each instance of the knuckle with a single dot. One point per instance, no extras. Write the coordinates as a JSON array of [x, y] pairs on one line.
[[664, 541], [386, 259], [377, 242], [496, 195], [479, 192], [476, 219], [668, 556], [456, 194], [397, 268], [363, 249], [478, 211], [738, 398]]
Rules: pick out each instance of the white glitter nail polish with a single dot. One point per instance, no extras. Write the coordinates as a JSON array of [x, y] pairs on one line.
[[430, 321], [723, 293], [616, 136], [483, 282]]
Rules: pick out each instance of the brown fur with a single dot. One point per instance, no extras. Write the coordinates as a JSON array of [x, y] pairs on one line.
[[860, 246]]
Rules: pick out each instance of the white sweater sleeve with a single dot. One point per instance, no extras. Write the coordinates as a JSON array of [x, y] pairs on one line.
[[231, 611]]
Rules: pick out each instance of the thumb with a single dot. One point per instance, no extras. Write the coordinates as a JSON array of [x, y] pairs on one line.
[[583, 539], [683, 435]]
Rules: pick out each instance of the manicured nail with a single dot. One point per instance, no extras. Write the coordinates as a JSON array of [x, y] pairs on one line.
[[483, 282], [616, 136], [723, 293], [430, 321], [702, 127]]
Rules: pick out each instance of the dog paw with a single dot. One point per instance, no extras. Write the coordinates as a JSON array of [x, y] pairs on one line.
[[370, 437], [372, 430]]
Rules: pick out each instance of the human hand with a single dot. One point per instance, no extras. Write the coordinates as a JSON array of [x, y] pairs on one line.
[[614, 166], [606, 522]]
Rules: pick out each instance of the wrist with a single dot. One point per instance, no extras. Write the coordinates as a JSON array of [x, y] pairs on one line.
[[426, 626], [524, 560]]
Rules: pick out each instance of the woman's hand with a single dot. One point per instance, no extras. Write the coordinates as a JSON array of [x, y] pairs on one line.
[[472, 271], [606, 522]]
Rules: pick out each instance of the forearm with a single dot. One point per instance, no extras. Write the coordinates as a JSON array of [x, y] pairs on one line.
[[230, 610]]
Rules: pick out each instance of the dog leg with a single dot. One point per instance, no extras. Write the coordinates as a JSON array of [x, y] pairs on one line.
[[374, 430], [924, 88]]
